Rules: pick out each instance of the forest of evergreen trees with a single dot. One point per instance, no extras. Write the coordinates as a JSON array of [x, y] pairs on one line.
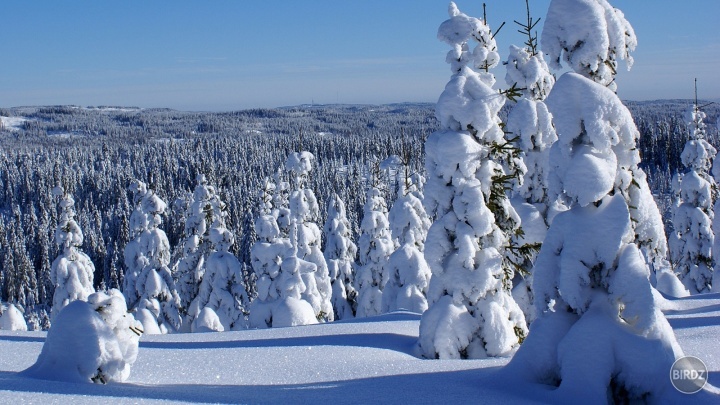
[[95, 153]]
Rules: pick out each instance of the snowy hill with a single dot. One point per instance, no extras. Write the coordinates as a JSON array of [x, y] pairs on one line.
[[362, 361]]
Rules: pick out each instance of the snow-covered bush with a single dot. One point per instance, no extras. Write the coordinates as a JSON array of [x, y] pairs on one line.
[[148, 286], [590, 36], [691, 243], [94, 341], [12, 318], [374, 247], [471, 313], [304, 214], [340, 252], [72, 272], [599, 333]]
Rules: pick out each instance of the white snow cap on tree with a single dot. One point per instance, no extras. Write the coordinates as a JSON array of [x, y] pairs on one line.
[[529, 72], [457, 31], [471, 314], [72, 271], [590, 35], [94, 341]]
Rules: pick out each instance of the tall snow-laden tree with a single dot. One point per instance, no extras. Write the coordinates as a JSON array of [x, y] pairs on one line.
[[279, 282], [408, 271], [374, 249], [156, 301], [203, 209], [340, 252], [530, 125], [471, 313], [304, 214], [691, 243], [72, 271], [599, 332], [590, 36], [222, 290]]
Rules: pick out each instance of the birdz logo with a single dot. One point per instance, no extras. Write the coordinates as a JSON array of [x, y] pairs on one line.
[[688, 374]]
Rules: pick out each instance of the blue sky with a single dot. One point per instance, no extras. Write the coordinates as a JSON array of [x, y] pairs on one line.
[[227, 55]]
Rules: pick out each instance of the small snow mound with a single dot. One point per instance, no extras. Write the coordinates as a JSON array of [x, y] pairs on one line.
[[88, 343], [12, 319]]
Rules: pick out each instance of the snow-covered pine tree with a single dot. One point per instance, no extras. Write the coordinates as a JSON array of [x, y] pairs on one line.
[[591, 35], [374, 247], [279, 284], [157, 302], [134, 255], [202, 211], [530, 126], [340, 252], [408, 272], [691, 243], [222, 290], [599, 332], [471, 313], [72, 271], [304, 214]]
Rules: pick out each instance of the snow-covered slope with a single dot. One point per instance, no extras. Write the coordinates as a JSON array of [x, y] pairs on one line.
[[365, 361]]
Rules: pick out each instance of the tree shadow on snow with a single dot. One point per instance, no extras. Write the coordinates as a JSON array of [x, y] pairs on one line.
[[391, 341], [452, 387], [700, 321]]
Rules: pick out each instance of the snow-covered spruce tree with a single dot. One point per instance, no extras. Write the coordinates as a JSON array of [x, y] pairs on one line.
[[279, 284], [471, 313], [304, 214], [340, 252], [716, 225], [222, 294], [72, 271], [691, 243], [591, 35], [599, 332], [408, 272], [202, 211], [374, 247], [530, 126], [156, 301]]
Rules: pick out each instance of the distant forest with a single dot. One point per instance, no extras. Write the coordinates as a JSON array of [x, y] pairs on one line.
[[95, 153]]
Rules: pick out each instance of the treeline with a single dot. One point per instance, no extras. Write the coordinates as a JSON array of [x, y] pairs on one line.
[[95, 153]]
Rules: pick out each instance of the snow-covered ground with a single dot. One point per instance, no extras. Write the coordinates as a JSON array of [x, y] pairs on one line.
[[12, 123], [362, 361]]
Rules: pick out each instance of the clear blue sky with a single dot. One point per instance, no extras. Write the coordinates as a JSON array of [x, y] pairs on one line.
[[226, 55]]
